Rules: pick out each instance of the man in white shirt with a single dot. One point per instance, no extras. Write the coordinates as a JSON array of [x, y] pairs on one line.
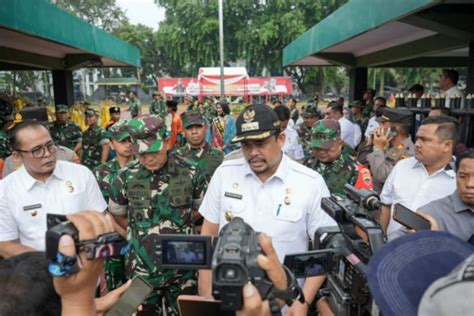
[[270, 192], [43, 186], [448, 83], [292, 147], [348, 131], [428, 176]]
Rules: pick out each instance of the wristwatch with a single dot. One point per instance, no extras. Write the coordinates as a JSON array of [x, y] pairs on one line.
[[292, 293]]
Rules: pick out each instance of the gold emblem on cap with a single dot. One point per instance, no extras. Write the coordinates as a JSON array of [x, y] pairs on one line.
[[287, 200], [228, 216], [249, 115], [34, 213], [18, 117], [235, 185]]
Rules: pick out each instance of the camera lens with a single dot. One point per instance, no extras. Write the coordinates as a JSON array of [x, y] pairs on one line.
[[230, 274]]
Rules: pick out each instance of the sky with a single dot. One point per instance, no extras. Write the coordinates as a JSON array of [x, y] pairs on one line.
[[142, 11]]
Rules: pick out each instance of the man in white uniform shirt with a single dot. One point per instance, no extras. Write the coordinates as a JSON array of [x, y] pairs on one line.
[[43, 186], [292, 148], [270, 192], [428, 176], [448, 83], [348, 131]]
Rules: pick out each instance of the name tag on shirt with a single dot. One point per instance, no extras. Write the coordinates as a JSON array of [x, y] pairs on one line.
[[31, 207], [233, 195]]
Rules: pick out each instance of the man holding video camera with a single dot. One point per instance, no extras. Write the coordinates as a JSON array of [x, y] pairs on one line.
[[155, 195], [270, 192]]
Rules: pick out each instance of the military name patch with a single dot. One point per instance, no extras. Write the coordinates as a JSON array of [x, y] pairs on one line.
[[31, 207], [233, 195], [246, 127]]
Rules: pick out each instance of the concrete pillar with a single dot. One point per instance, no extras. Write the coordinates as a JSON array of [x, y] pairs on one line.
[[357, 83], [63, 87]]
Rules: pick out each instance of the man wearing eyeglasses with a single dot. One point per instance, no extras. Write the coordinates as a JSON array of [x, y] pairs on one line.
[[43, 186]]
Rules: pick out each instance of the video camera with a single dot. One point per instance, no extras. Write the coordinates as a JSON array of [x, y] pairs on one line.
[[105, 245], [233, 263], [342, 252]]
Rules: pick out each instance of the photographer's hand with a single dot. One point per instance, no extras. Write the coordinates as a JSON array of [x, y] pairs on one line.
[[253, 305], [77, 290]]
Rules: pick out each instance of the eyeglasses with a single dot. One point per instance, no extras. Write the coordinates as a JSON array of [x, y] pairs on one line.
[[40, 151]]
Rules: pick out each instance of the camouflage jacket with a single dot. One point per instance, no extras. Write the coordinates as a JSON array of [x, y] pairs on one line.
[[156, 202], [341, 171], [363, 122], [5, 150], [159, 108], [206, 158], [93, 141], [105, 175], [304, 138], [66, 134], [133, 106]]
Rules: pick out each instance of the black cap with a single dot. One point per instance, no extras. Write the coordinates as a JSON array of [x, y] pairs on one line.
[[258, 121], [114, 109], [416, 88], [371, 91], [395, 116], [193, 118]]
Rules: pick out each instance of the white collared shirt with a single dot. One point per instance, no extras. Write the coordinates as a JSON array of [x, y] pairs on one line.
[[449, 94], [24, 201], [292, 147], [370, 126], [347, 132], [287, 207], [409, 184]]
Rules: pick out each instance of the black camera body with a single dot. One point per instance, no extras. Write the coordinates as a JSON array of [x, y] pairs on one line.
[[105, 245], [234, 264], [347, 289]]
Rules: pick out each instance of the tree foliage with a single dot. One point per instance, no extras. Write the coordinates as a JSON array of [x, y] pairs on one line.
[[101, 13]]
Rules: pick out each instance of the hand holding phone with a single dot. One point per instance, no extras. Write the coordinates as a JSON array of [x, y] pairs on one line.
[[132, 298], [410, 219]]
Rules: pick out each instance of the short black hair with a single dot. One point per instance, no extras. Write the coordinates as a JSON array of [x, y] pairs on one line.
[[417, 88], [14, 140], [381, 99], [26, 288], [447, 126], [444, 110], [225, 108], [172, 104], [283, 112], [335, 107], [452, 74], [468, 154]]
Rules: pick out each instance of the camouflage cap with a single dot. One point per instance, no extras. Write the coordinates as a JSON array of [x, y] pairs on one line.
[[311, 110], [119, 131], [91, 112], [62, 108], [324, 134], [356, 104], [193, 118], [147, 133]]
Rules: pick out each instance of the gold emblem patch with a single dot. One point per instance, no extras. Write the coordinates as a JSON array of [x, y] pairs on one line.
[[249, 116]]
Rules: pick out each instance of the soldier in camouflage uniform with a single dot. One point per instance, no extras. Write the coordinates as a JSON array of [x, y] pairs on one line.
[[336, 166], [158, 106], [65, 132], [311, 115], [368, 99], [359, 118], [156, 195], [95, 143], [114, 268], [134, 105]]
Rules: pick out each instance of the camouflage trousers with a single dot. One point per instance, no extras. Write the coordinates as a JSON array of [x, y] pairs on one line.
[[165, 301], [114, 269]]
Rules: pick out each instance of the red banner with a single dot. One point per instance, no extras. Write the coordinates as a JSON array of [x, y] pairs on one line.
[[242, 87]]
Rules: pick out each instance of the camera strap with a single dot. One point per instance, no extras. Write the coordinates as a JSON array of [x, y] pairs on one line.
[[292, 293], [63, 265]]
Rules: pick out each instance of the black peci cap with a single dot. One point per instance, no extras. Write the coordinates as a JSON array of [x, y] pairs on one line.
[[256, 122]]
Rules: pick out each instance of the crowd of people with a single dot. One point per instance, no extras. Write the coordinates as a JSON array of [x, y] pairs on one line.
[[192, 172]]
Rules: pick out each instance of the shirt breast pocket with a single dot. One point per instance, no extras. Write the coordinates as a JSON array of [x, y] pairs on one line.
[[74, 202], [287, 223], [233, 206]]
